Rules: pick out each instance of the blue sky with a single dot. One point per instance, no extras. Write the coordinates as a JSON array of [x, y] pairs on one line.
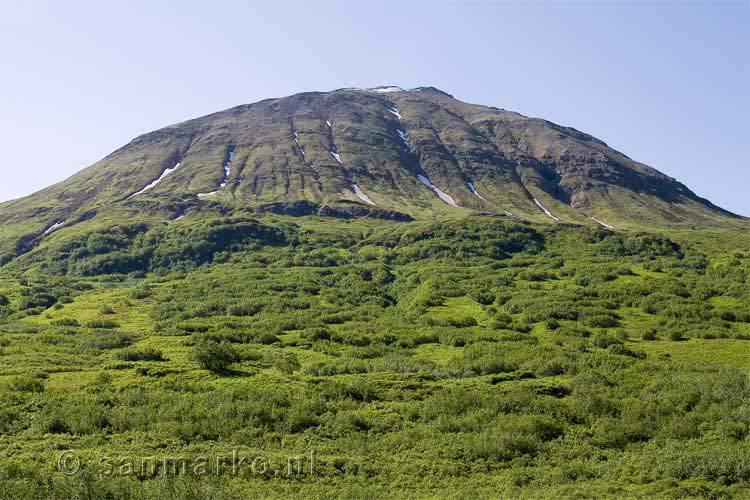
[[666, 82]]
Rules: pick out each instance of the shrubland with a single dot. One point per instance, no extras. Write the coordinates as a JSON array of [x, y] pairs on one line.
[[479, 357]]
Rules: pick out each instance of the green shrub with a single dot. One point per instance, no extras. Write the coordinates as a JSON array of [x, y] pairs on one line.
[[604, 341], [102, 323], [486, 359], [140, 293], [106, 309], [649, 334], [601, 321], [287, 363], [107, 340], [26, 383], [65, 322], [147, 354], [266, 338], [621, 350], [38, 300], [317, 333], [214, 356], [245, 309]]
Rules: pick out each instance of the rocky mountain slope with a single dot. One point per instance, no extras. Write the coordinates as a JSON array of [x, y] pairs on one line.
[[385, 151]]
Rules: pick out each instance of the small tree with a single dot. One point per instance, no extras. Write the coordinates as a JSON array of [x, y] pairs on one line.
[[649, 334], [3, 344], [287, 363], [675, 335], [214, 356]]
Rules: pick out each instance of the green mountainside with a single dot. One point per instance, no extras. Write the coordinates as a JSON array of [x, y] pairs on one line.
[[419, 152], [342, 330]]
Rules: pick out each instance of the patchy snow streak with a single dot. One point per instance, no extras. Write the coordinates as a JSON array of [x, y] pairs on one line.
[[601, 223], [227, 168], [156, 181], [361, 195], [403, 137], [54, 226], [549, 214], [394, 112], [299, 146], [228, 164], [441, 194], [475, 192]]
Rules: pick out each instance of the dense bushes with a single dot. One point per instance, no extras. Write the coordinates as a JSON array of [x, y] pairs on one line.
[[461, 359], [106, 340], [132, 248], [102, 323], [148, 354], [214, 356], [642, 245]]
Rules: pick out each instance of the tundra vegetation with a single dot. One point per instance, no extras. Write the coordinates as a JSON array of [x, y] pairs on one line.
[[470, 358]]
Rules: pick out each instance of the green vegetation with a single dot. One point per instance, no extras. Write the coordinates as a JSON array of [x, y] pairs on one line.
[[474, 358]]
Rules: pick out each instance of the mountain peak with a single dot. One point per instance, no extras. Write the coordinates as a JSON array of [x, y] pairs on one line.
[[433, 89], [385, 89]]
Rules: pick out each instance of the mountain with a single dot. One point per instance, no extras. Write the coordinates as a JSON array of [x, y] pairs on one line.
[[385, 151], [256, 304]]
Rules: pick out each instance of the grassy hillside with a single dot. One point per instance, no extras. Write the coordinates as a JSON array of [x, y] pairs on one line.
[[479, 357]]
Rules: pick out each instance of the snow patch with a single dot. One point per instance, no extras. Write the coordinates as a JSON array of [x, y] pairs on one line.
[[549, 214], [180, 217], [337, 156], [299, 146], [601, 223], [228, 164], [403, 137], [227, 168], [54, 226], [361, 195], [385, 90], [394, 112], [441, 194], [205, 195], [475, 192], [156, 181], [328, 123]]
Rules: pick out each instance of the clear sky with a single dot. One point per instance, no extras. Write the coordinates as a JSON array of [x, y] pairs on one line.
[[666, 83]]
